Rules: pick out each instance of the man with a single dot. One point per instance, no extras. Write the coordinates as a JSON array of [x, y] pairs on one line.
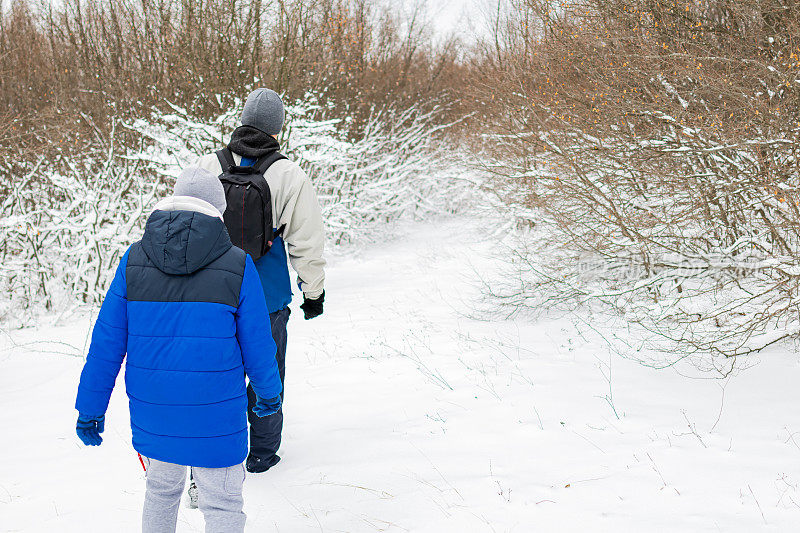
[[296, 211], [188, 310]]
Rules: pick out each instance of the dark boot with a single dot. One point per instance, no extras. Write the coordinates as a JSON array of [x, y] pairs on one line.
[[256, 465]]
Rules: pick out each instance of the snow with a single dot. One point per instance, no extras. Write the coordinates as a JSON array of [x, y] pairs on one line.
[[405, 413]]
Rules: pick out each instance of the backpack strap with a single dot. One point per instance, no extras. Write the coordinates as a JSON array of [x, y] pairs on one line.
[[225, 157], [261, 167], [266, 161]]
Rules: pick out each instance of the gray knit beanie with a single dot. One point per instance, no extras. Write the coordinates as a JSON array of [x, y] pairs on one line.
[[263, 110], [200, 183]]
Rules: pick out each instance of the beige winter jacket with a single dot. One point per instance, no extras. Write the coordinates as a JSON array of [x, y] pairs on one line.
[[295, 204]]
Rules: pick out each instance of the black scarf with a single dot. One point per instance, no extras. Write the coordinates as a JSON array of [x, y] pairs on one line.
[[250, 142]]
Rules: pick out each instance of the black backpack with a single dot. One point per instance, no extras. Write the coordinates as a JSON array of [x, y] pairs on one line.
[[248, 216]]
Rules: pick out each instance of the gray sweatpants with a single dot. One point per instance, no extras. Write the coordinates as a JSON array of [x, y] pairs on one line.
[[219, 492]]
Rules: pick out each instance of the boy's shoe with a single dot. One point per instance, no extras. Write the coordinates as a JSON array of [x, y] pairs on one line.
[[257, 465], [192, 495]]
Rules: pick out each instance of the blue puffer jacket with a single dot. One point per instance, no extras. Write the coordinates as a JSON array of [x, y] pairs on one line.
[[188, 309]]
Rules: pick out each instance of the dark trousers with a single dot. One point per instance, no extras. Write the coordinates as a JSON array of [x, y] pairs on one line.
[[265, 433]]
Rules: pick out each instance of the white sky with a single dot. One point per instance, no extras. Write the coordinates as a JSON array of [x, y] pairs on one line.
[[469, 18]]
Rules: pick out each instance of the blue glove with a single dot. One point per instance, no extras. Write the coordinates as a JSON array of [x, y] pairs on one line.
[[89, 429], [264, 408]]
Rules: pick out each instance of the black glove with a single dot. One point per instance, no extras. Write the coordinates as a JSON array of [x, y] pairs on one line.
[[313, 307]]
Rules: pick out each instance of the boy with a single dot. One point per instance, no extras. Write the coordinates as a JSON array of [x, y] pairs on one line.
[[188, 309]]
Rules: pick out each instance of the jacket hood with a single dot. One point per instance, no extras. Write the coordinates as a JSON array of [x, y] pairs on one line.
[[252, 142], [182, 241]]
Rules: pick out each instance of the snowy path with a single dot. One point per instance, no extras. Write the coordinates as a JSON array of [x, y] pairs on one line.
[[405, 415]]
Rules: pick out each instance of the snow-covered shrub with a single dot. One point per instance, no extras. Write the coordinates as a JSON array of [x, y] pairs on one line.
[[650, 148], [65, 223], [64, 226], [402, 165], [707, 259]]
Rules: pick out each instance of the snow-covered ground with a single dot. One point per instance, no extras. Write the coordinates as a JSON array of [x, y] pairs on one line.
[[405, 414]]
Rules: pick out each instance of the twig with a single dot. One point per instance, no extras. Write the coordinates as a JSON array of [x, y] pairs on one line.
[[758, 504], [721, 405], [692, 428], [656, 469]]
